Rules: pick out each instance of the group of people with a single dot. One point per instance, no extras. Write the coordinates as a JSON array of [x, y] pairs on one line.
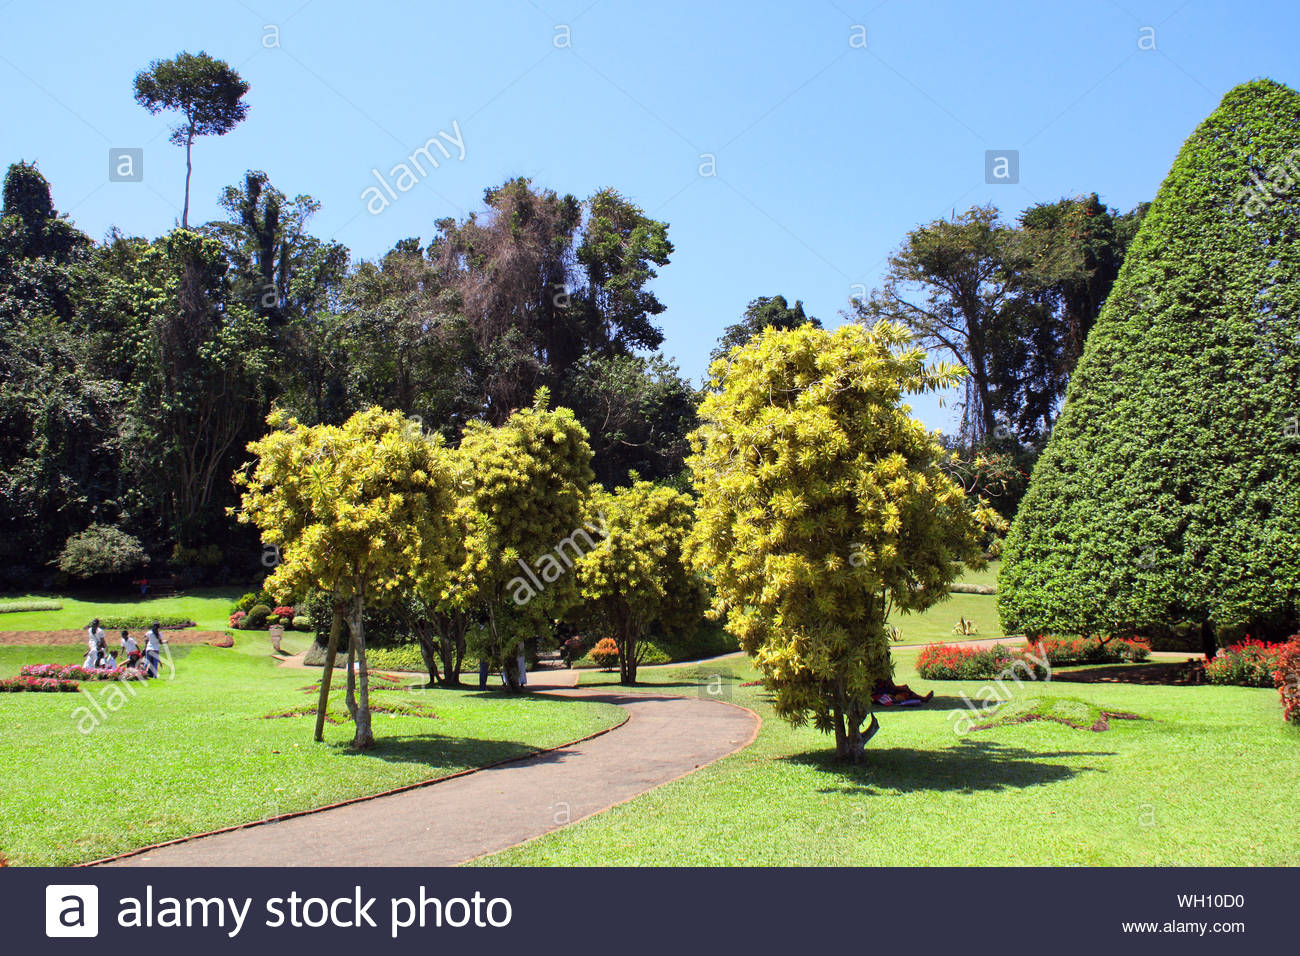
[[100, 657]]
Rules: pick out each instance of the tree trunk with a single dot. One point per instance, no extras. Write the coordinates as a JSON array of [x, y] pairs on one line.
[[1209, 640], [837, 713], [185, 213], [428, 651], [351, 696], [364, 738], [331, 654], [627, 654]]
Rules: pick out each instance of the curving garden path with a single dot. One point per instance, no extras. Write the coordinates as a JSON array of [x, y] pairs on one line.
[[487, 810]]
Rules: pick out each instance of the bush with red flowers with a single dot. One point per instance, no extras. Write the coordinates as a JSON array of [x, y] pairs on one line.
[[1247, 664], [47, 685], [237, 620], [1062, 651], [75, 672], [1287, 679], [962, 662], [284, 613], [605, 653]]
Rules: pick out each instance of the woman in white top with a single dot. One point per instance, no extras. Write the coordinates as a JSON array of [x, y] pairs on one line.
[[94, 644], [152, 649]]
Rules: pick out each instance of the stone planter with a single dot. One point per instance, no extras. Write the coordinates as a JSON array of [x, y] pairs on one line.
[[277, 634]]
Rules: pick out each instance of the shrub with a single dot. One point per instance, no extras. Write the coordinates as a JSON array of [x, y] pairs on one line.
[[959, 587], [237, 620], [101, 549], [245, 603], [285, 615], [257, 618], [12, 685], [75, 672], [965, 628], [1287, 679], [405, 658], [14, 607], [954, 662], [605, 653], [137, 622], [301, 623], [1090, 650], [1248, 664]]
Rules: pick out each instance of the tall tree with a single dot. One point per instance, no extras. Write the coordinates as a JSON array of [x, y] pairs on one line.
[[354, 510], [637, 412], [823, 507], [635, 580], [763, 313], [526, 482], [205, 90], [1170, 488]]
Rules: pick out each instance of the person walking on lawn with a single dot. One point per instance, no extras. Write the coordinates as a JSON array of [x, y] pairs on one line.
[[152, 649], [96, 645]]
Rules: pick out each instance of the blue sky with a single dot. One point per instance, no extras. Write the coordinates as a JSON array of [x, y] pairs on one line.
[[827, 151]]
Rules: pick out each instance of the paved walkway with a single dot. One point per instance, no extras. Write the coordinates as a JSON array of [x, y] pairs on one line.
[[482, 812]]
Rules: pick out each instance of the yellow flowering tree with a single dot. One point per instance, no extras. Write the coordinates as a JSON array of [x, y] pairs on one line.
[[636, 578], [354, 510], [822, 508], [523, 484]]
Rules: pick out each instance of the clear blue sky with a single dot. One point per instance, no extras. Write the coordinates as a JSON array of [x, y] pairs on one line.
[[826, 153]]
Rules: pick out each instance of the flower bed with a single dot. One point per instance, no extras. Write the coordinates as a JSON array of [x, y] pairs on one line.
[[46, 685], [1088, 650], [75, 672], [960, 662], [1287, 679], [1248, 664]]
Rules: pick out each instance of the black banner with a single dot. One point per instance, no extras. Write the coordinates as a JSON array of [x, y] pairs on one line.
[[633, 911]]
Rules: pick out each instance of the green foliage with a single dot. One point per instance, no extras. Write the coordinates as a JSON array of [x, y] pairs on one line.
[[134, 622], [763, 313], [822, 505], [634, 580], [100, 550], [1170, 489], [257, 618]]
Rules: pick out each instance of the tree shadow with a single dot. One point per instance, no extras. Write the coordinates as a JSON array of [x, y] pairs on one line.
[[440, 750], [968, 767]]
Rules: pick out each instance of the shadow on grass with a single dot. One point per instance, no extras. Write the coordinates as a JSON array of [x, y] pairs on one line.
[[969, 767]]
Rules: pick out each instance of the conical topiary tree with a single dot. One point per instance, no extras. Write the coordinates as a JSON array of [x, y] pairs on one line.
[[1170, 489]]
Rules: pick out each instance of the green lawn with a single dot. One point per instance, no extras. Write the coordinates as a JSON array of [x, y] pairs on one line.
[[193, 753], [1209, 778], [208, 607]]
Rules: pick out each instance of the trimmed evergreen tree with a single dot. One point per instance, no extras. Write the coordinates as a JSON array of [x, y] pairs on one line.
[[1170, 489]]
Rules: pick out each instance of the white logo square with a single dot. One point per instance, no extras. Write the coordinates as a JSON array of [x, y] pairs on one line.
[[71, 910]]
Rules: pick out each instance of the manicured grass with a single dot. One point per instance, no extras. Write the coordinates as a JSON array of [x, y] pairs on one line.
[[194, 753], [937, 623], [1209, 778], [208, 607]]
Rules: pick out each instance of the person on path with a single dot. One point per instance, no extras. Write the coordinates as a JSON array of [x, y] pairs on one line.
[[152, 649]]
